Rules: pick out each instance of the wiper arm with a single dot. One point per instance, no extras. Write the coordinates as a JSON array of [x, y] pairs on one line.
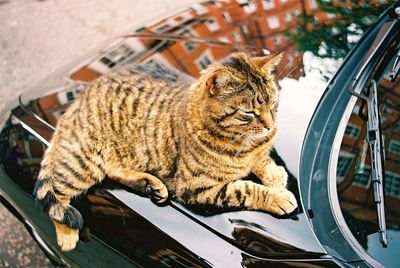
[[375, 140], [395, 68]]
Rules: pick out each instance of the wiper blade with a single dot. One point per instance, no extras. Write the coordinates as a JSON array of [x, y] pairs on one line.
[[375, 141], [376, 151]]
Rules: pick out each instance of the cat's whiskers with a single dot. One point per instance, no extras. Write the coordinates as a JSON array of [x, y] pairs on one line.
[[250, 139], [277, 77], [294, 68], [278, 125], [261, 135], [233, 140], [244, 142]]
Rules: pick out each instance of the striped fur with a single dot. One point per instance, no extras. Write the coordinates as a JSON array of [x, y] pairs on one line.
[[145, 128]]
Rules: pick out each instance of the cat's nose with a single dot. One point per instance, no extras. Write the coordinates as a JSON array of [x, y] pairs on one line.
[[266, 120]]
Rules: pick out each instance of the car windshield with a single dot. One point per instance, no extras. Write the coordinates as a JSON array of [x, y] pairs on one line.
[[315, 37], [360, 190]]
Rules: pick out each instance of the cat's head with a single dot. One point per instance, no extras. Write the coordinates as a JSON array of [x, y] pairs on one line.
[[240, 95]]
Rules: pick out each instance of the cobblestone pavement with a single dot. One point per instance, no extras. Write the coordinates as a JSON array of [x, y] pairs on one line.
[[38, 37], [17, 249]]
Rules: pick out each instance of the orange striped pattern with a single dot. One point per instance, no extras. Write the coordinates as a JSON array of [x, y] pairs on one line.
[[146, 128]]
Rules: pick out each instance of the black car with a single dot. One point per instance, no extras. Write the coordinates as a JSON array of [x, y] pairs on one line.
[[339, 140]]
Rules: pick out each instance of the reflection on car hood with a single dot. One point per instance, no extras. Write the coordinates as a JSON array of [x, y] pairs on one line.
[[189, 42]]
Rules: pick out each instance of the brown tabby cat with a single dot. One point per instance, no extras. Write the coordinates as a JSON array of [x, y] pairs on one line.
[[156, 134]]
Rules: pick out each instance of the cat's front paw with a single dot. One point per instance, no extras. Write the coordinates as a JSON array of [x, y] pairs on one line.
[[279, 176], [275, 177], [158, 193], [280, 201]]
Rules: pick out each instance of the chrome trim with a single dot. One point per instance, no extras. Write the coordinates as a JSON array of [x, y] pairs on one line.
[[28, 111], [28, 128], [384, 33]]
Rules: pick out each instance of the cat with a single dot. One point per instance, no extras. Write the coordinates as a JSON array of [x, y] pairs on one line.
[[155, 133]]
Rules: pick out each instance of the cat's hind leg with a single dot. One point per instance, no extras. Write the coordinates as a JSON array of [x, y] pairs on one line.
[[59, 181], [67, 219], [142, 182]]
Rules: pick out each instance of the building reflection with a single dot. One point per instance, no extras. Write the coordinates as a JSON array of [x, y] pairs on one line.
[[131, 234], [188, 41], [192, 39], [356, 193], [259, 244], [21, 154], [207, 32]]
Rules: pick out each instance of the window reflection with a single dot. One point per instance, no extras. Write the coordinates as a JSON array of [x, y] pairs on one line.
[[21, 154]]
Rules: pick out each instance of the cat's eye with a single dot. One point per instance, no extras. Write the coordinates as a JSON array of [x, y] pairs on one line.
[[249, 114], [242, 87], [240, 121], [260, 100], [246, 116]]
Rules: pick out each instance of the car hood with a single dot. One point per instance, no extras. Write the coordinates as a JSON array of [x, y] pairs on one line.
[[189, 41]]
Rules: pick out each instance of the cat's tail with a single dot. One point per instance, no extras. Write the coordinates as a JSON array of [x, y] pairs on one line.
[[59, 211]]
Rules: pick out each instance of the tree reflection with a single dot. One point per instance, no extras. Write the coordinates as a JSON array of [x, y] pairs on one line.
[[332, 29]]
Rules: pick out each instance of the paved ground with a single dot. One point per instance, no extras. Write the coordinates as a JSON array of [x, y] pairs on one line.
[[37, 37], [17, 249]]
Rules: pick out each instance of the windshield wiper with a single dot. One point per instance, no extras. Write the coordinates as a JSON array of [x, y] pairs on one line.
[[375, 140], [387, 35], [376, 151]]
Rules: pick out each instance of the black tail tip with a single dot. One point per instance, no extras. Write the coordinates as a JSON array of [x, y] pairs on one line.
[[72, 218], [38, 185], [66, 214]]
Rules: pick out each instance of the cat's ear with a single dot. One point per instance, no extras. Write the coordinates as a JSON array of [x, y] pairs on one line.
[[219, 82], [268, 63]]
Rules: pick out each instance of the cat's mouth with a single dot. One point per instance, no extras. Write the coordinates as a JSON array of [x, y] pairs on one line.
[[259, 133]]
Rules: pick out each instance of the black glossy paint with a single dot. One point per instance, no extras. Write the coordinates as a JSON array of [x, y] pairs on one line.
[[174, 235]]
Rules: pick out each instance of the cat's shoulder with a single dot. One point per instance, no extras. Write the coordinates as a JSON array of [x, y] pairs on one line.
[[157, 71]]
